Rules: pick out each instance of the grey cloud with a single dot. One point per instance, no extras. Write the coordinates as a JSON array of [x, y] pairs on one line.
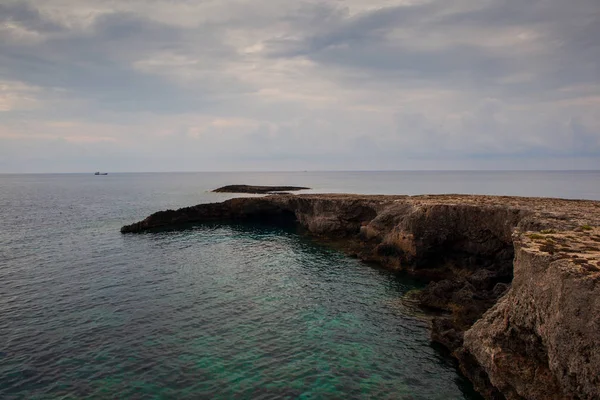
[[517, 13], [341, 29], [567, 52], [480, 98], [107, 84], [26, 16], [97, 64]]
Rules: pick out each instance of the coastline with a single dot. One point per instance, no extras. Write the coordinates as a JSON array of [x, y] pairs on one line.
[[501, 267]]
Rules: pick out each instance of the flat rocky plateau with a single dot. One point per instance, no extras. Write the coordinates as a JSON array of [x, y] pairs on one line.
[[517, 280]]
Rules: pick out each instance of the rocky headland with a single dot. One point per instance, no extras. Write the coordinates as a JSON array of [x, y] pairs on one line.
[[517, 280]]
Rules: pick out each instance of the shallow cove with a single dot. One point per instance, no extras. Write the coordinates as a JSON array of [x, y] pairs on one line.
[[281, 316], [246, 310]]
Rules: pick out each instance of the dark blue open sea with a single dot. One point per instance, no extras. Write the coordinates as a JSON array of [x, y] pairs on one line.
[[217, 311]]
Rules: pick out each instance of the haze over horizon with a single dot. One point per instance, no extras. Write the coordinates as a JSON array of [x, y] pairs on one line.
[[236, 85]]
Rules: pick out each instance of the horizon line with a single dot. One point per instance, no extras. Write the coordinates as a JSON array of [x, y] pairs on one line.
[[302, 171]]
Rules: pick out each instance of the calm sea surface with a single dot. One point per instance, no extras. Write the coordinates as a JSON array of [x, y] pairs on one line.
[[218, 311]]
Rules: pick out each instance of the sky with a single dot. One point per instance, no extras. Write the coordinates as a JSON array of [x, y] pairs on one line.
[[219, 85]]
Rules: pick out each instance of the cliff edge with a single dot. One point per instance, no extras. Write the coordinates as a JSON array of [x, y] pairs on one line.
[[517, 279]]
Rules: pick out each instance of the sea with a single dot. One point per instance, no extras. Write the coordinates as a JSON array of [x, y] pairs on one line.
[[216, 311]]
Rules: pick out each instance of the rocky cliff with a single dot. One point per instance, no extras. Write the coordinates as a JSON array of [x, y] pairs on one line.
[[518, 279]]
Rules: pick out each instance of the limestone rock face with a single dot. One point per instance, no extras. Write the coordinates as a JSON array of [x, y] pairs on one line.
[[518, 278], [541, 340]]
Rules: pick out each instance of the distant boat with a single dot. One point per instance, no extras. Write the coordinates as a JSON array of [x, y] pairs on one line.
[[100, 173]]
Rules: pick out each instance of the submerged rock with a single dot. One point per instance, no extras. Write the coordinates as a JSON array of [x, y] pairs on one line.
[[518, 279]]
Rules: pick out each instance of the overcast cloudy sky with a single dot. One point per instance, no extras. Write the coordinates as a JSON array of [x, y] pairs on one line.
[[188, 85]]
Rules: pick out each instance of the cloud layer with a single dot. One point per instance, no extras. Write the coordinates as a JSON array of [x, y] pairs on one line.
[[167, 85]]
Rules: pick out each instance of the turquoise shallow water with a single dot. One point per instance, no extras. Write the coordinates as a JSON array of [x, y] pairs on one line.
[[219, 311], [228, 311]]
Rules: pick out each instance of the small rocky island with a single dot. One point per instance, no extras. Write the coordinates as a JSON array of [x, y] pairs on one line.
[[258, 189], [517, 280]]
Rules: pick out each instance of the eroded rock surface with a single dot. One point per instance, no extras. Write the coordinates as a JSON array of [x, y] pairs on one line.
[[517, 278]]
